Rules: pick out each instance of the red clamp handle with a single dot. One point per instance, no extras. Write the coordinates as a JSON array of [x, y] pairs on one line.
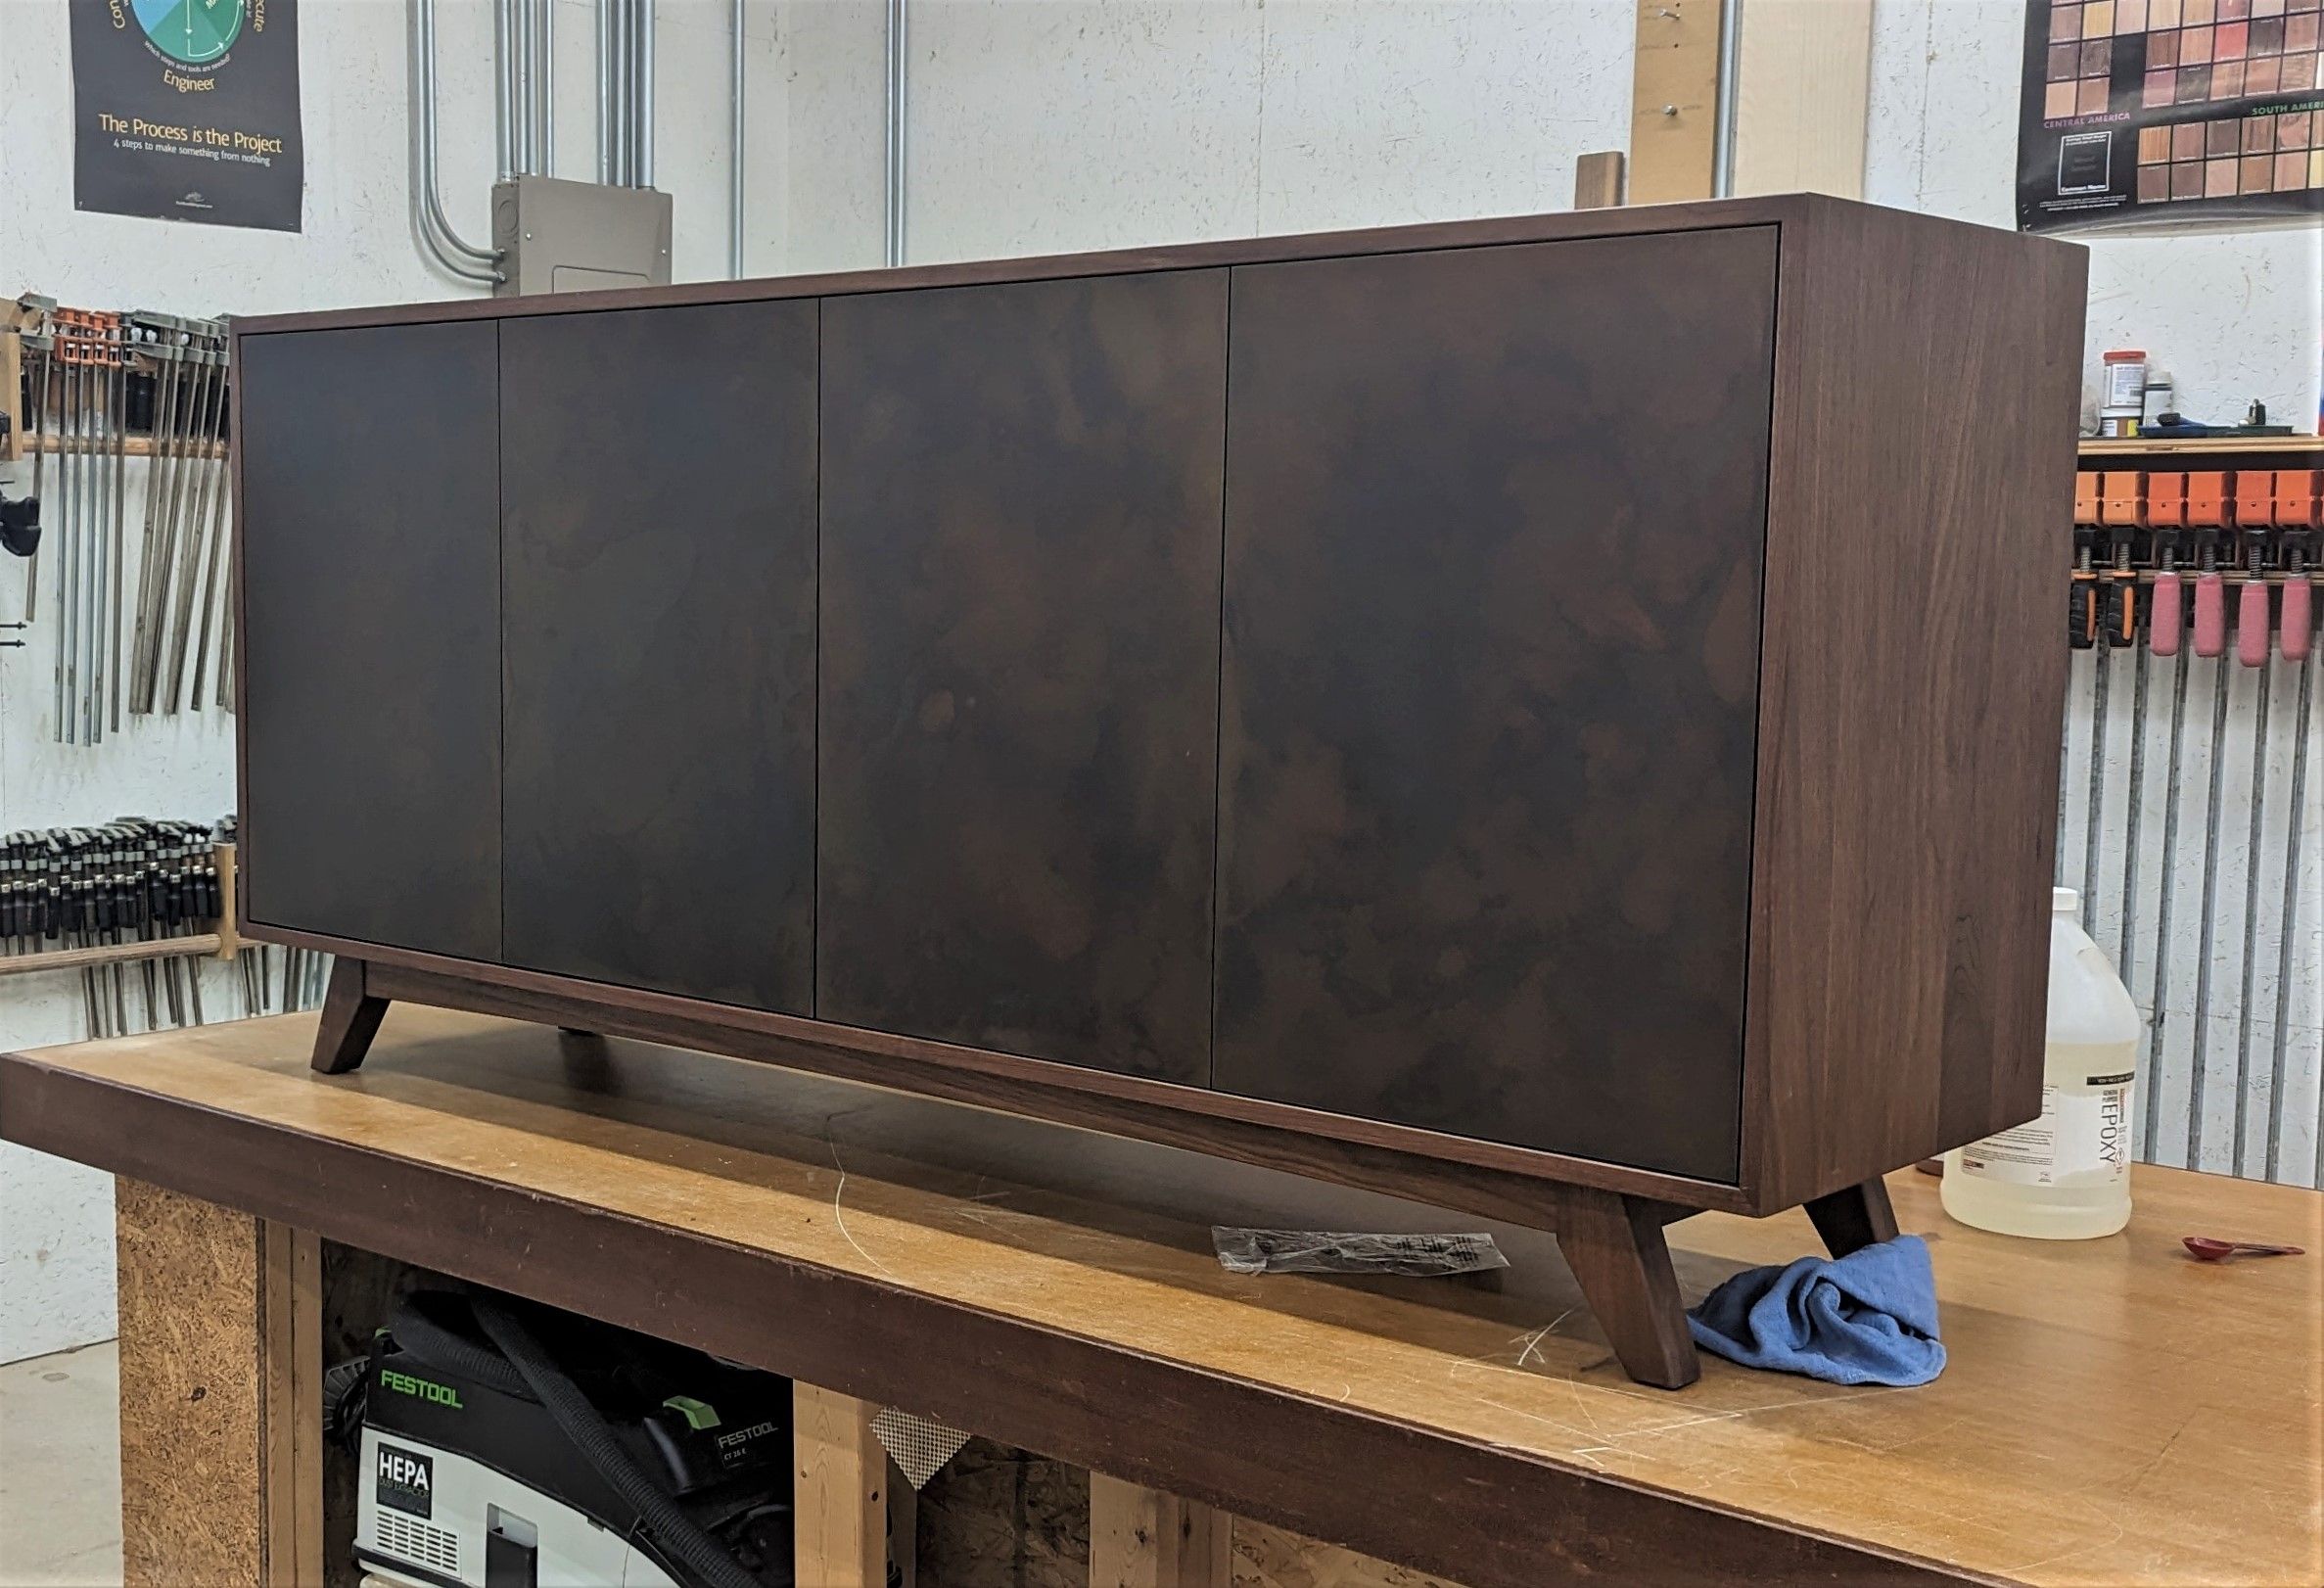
[[2298, 625], [2164, 620], [2251, 624], [2210, 615]]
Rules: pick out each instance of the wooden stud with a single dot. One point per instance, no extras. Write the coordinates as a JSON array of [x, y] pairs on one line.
[[1615, 1249], [1598, 181], [1802, 92], [221, 855], [350, 1019], [1674, 101], [12, 395], [1143, 1538], [1855, 1218], [839, 1503]]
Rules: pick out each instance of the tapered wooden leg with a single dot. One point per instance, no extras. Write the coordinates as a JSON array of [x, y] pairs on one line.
[[1615, 1249], [1143, 1538], [1855, 1218], [350, 1019]]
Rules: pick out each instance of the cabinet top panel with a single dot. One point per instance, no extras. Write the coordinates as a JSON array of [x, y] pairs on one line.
[[1645, 219]]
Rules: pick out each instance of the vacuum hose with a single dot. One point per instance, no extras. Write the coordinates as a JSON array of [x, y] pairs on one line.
[[585, 1427]]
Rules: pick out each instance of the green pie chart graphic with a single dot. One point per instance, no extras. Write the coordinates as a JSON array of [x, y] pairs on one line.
[[194, 31]]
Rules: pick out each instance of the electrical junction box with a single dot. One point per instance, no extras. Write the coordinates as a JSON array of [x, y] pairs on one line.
[[560, 236]]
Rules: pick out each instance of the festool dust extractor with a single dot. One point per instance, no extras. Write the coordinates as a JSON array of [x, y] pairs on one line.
[[504, 1445]]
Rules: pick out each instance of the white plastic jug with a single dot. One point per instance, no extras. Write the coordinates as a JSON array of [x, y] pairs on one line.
[[2065, 1176]]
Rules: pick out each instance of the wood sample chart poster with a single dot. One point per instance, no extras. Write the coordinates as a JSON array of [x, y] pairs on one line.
[[2170, 110], [188, 110]]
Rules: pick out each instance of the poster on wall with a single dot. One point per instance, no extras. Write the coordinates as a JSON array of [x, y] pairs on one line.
[[2159, 111], [188, 110]]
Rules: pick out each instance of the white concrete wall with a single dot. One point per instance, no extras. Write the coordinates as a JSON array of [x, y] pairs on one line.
[[1035, 125]]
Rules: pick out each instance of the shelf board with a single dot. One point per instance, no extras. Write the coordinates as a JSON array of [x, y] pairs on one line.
[[2197, 446]]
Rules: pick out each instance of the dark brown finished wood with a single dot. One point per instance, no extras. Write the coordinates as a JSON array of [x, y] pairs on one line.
[[1491, 660], [1504, 939], [1486, 1515], [1703, 215], [370, 643], [348, 1021], [657, 801], [1019, 667], [1908, 750], [1399, 1163], [1852, 1219], [1615, 1249]]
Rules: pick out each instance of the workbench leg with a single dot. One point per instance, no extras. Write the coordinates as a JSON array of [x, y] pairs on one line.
[[221, 1394], [350, 1018], [1615, 1246], [1143, 1538], [1851, 1220], [839, 1495]]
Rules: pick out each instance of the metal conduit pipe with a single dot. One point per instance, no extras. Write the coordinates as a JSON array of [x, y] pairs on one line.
[[897, 21], [604, 21], [548, 87], [622, 39], [644, 173], [1723, 109], [503, 95], [521, 64], [436, 232], [735, 136]]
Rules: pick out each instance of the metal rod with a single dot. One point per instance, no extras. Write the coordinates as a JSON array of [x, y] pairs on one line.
[[2287, 929], [2127, 941], [114, 665], [2156, 1013], [2242, 1033], [735, 137], [2210, 902], [2093, 828]]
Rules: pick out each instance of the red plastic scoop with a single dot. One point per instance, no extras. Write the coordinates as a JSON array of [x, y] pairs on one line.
[[2207, 1249]]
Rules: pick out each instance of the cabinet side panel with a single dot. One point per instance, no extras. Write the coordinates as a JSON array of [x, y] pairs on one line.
[[659, 480], [1912, 684], [1019, 652], [1494, 540], [370, 550]]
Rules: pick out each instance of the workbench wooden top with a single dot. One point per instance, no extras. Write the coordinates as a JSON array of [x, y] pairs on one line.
[[2112, 1413]]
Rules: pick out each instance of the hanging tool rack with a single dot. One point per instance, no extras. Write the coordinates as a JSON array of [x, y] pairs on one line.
[[134, 565], [136, 905], [2187, 807]]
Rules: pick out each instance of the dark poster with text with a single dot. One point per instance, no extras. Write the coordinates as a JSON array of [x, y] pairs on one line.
[[188, 110], [2143, 111]]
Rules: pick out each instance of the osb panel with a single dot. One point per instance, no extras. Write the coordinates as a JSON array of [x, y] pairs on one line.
[[996, 1518], [193, 1476], [1269, 1557]]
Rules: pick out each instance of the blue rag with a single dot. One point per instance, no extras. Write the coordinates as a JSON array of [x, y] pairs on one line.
[[1868, 1318]]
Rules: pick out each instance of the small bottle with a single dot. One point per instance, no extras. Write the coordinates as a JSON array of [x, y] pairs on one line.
[[2065, 1176]]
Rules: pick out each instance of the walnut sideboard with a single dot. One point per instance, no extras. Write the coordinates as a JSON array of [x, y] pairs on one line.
[[1556, 717]]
